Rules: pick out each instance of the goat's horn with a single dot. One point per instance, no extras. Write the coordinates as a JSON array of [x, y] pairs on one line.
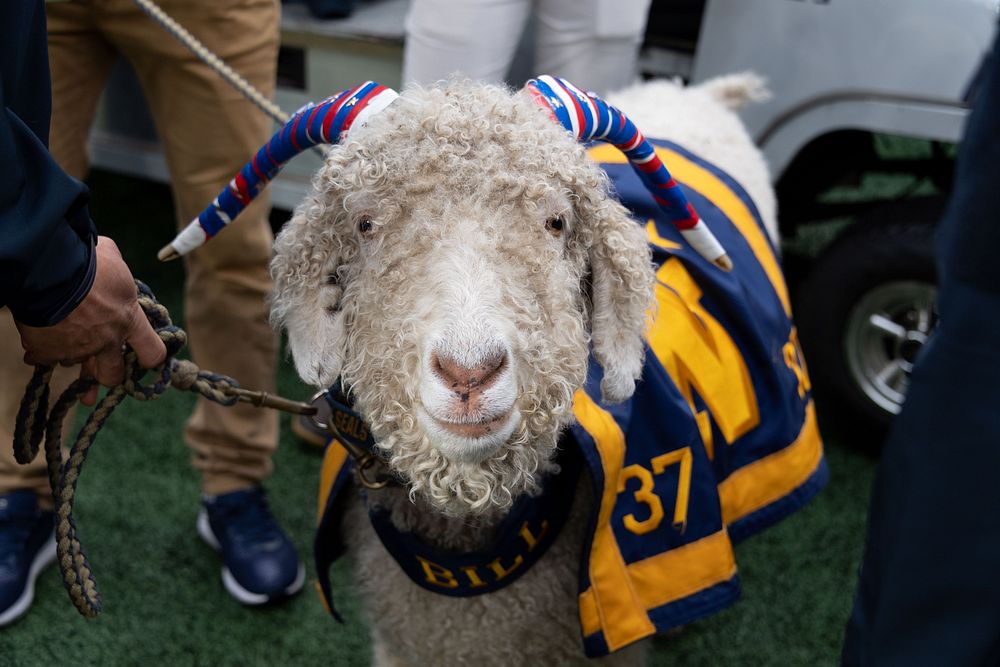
[[311, 125], [586, 116]]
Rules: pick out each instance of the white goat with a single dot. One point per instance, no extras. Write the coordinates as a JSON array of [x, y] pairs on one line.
[[457, 261]]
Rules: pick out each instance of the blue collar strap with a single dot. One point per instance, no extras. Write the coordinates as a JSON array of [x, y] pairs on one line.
[[345, 424], [349, 428]]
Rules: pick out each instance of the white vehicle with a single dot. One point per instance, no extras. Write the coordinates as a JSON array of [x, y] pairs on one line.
[[848, 77]]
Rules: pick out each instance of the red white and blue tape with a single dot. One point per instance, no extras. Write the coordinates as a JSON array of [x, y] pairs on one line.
[[588, 117], [585, 115], [314, 124]]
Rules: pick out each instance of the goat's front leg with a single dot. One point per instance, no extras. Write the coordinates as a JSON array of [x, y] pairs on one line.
[[382, 654]]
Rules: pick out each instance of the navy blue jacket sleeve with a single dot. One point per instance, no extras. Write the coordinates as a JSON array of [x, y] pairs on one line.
[[928, 592], [969, 235], [46, 236]]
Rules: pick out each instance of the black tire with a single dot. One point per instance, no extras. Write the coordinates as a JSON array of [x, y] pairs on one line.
[[853, 309]]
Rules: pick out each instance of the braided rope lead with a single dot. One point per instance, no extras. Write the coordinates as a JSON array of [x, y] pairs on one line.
[[203, 53], [29, 425], [32, 422]]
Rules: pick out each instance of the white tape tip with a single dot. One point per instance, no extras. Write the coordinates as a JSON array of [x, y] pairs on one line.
[[191, 237], [701, 238]]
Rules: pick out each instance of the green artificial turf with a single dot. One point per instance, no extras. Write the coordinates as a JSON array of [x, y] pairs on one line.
[[164, 603]]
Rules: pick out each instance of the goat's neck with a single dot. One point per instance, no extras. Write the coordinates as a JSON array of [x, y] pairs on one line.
[[433, 527]]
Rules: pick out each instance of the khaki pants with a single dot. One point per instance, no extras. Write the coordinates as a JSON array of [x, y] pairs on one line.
[[207, 131]]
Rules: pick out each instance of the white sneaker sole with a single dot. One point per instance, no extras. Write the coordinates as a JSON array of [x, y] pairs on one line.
[[229, 581], [45, 557]]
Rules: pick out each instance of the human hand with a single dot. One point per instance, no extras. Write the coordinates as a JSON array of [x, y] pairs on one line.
[[93, 333]]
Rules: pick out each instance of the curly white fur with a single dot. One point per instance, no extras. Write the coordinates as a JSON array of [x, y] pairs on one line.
[[456, 262]]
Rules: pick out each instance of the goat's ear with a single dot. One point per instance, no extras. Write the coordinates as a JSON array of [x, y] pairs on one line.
[[306, 301], [621, 293]]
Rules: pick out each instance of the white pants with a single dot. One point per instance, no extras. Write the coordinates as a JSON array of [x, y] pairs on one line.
[[592, 43]]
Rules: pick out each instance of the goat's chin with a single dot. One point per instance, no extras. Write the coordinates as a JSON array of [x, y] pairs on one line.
[[486, 478]]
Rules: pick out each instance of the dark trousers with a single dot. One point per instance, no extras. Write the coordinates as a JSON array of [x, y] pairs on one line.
[[929, 590]]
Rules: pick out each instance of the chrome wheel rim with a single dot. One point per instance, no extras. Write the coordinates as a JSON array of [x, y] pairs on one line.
[[885, 331]]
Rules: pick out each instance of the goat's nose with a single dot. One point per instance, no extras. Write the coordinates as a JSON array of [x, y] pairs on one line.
[[460, 377]]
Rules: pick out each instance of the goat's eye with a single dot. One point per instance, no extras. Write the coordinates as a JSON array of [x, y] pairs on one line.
[[555, 225], [365, 224]]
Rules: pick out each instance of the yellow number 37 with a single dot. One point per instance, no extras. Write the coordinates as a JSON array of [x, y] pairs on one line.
[[645, 494]]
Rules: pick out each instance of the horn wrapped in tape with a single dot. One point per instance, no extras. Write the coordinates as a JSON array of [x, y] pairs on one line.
[[588, 117], [314, 124]]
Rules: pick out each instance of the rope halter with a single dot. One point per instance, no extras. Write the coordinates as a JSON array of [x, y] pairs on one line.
[[585, 115]]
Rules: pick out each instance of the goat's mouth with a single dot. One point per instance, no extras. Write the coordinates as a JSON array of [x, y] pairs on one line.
[[474, 429], [468, 440]]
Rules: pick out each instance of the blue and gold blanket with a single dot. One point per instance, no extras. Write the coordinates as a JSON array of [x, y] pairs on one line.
[[718, 442]]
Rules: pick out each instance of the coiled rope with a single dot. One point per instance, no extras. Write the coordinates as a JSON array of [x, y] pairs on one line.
[[215, 63], [35, 420]]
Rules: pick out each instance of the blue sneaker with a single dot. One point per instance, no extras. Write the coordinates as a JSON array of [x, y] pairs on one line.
[[260, 563], [27, 546]]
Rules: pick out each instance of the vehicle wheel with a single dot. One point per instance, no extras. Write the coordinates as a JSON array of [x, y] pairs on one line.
[[864, 312]]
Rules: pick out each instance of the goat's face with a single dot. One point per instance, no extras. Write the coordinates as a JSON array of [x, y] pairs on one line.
[[454, 261]]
